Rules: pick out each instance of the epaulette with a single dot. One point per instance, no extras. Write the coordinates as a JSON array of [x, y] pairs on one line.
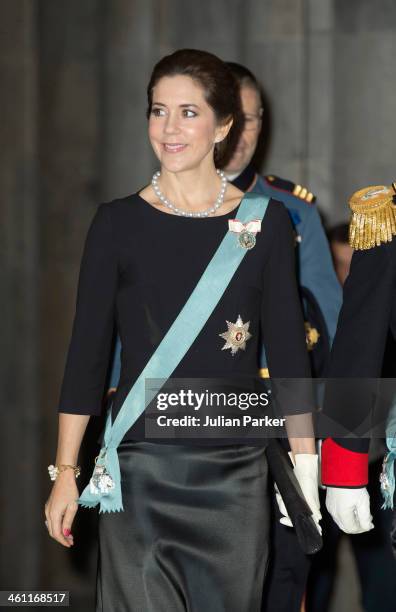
[[373, 219], [297, 190]]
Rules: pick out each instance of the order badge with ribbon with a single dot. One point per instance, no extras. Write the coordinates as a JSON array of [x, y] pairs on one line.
[[246, 232], [101, 482]]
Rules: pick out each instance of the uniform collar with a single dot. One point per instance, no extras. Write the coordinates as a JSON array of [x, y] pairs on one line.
[[245, 179]]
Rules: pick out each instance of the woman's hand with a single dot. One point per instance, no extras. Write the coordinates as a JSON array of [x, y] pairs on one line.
[[306, 471], [61, 508]]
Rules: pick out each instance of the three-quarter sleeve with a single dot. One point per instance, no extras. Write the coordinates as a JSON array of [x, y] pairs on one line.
[[89, 350], [282, 321]]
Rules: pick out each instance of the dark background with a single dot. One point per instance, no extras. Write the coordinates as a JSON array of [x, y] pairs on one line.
[[73, 75]]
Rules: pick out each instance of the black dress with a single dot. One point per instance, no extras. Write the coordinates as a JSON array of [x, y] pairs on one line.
[[193, 534]]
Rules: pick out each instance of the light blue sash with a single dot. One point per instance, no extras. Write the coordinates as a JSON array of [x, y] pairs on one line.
[[169, 353]]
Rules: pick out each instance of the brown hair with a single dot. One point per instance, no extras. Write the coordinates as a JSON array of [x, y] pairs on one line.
[[220, 89], [245, 77]]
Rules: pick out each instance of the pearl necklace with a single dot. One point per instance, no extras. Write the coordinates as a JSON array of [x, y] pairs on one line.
[[186, 213]]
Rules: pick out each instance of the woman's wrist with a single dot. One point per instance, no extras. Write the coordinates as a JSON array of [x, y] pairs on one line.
[[66, 458], [303, 446]]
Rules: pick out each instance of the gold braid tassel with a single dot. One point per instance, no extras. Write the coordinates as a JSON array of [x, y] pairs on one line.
[[373, 216]]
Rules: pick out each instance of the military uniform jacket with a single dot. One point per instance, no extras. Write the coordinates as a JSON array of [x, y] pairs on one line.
[[367, 314]]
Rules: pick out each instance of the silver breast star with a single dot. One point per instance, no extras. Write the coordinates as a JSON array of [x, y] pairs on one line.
[[236, 336]]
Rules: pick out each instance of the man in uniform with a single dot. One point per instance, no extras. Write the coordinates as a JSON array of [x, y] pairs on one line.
[[320, 290], [368, 313], [360, 355], [372, 551]]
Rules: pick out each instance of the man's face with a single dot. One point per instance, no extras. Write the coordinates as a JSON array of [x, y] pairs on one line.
[[251, 107]]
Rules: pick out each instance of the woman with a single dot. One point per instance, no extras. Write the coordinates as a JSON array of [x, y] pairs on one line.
[[193, 531]]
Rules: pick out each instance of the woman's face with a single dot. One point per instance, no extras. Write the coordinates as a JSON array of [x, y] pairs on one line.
[[182, 126]]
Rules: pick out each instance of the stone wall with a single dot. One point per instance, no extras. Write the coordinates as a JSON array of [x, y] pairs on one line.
[[73, 77]]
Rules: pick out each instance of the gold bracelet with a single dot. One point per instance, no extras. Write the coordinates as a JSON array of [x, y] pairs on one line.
[[55, 470]]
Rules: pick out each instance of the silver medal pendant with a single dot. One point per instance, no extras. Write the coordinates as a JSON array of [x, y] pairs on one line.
[[246, 239], [236, 336], [384, 479], [101, 482]]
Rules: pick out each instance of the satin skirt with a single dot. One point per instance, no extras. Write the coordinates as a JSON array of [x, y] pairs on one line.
[[194, 532]]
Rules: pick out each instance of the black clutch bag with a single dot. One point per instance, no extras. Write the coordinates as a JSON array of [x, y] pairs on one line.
[[300, 513]]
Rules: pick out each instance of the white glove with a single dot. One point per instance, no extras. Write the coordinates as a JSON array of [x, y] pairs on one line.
[[350, 509], [306, 472]]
